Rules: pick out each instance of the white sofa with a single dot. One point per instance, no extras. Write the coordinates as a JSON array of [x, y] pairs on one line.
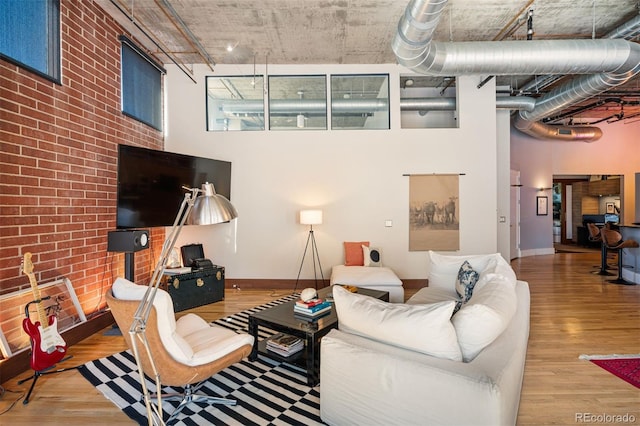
[[370, 375]]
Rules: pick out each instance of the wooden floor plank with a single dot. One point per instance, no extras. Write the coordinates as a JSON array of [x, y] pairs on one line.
[[573, 312]]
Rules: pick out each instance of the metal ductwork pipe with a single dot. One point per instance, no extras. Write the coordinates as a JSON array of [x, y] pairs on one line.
[[627, 31], [449, 104], [303, 106], [540, 130], [362, 106], [427, 104], [359, 106], [281, 106], [522, 103], [609, 63]]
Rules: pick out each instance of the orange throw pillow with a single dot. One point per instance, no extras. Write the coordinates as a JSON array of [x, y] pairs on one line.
[[353, 255]]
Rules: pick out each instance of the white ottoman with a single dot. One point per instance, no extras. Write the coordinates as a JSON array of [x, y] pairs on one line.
[[371, 277]]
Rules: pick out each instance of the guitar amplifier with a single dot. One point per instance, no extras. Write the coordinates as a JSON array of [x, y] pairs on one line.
[[195, 288]]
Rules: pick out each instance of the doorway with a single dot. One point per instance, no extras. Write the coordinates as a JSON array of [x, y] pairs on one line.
[[578, 195], [563, 208]]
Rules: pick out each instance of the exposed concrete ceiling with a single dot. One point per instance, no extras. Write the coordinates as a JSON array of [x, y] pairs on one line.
[[361, 32]]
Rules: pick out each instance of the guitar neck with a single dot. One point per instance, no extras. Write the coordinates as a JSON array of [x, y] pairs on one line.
[[44, 322]]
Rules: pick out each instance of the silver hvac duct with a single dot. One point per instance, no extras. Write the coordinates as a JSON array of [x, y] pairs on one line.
[[628, 31], [303, 106], [608, 63], [427, 104], [361, 106], [522, 103], [449, 104]]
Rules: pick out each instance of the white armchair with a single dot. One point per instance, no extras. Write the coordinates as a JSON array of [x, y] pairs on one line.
[[185, 352]]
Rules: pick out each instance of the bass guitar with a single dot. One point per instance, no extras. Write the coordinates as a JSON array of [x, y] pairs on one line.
[[47, 346]]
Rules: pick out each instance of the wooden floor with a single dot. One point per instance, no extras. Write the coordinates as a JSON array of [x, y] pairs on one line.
[[573, 312]]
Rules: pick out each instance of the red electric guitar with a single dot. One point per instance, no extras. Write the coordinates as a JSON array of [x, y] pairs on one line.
[[47, 346]]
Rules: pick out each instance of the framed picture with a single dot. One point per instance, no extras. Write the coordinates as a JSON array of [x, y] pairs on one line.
[[542, 206], [611, 208], [434, 212]]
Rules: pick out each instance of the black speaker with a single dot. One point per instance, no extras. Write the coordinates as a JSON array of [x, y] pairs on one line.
[[128, 241]]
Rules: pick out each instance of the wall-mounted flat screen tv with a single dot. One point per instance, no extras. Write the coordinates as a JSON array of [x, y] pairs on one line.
[[150, 184]]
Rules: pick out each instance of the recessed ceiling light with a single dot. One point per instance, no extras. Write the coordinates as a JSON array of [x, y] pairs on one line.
[[232, 46]]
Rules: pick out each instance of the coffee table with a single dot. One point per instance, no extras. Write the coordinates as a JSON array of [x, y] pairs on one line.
[[280, 318]]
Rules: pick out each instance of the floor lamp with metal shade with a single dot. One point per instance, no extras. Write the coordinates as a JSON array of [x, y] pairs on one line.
[[311, 217], [207, 209]]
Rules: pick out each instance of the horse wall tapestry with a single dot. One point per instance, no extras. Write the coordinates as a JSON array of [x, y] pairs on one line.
[[434, 213]]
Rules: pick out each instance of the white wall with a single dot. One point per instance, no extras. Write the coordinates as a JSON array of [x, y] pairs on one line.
[[355, 176], [617, 152], [503, 215]]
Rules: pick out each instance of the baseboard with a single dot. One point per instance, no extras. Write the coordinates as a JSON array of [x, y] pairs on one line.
[[264, 284], [537, 252], [20, 362]]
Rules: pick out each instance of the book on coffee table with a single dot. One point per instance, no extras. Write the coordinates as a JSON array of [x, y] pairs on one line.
[[284, 344], [312, 311], [309, 303], [311, 319]]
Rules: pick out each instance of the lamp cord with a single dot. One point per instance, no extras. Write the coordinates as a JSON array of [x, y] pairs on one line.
[[3, 391]]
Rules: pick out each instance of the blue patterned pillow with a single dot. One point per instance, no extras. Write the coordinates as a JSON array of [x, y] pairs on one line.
[[467, 279]]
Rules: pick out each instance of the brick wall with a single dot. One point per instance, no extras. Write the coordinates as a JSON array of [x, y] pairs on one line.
[[58, 162]]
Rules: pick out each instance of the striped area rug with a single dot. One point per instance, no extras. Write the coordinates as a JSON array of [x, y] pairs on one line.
[[268, 392]]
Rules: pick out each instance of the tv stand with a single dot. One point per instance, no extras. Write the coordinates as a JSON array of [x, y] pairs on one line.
[[129, 268]]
